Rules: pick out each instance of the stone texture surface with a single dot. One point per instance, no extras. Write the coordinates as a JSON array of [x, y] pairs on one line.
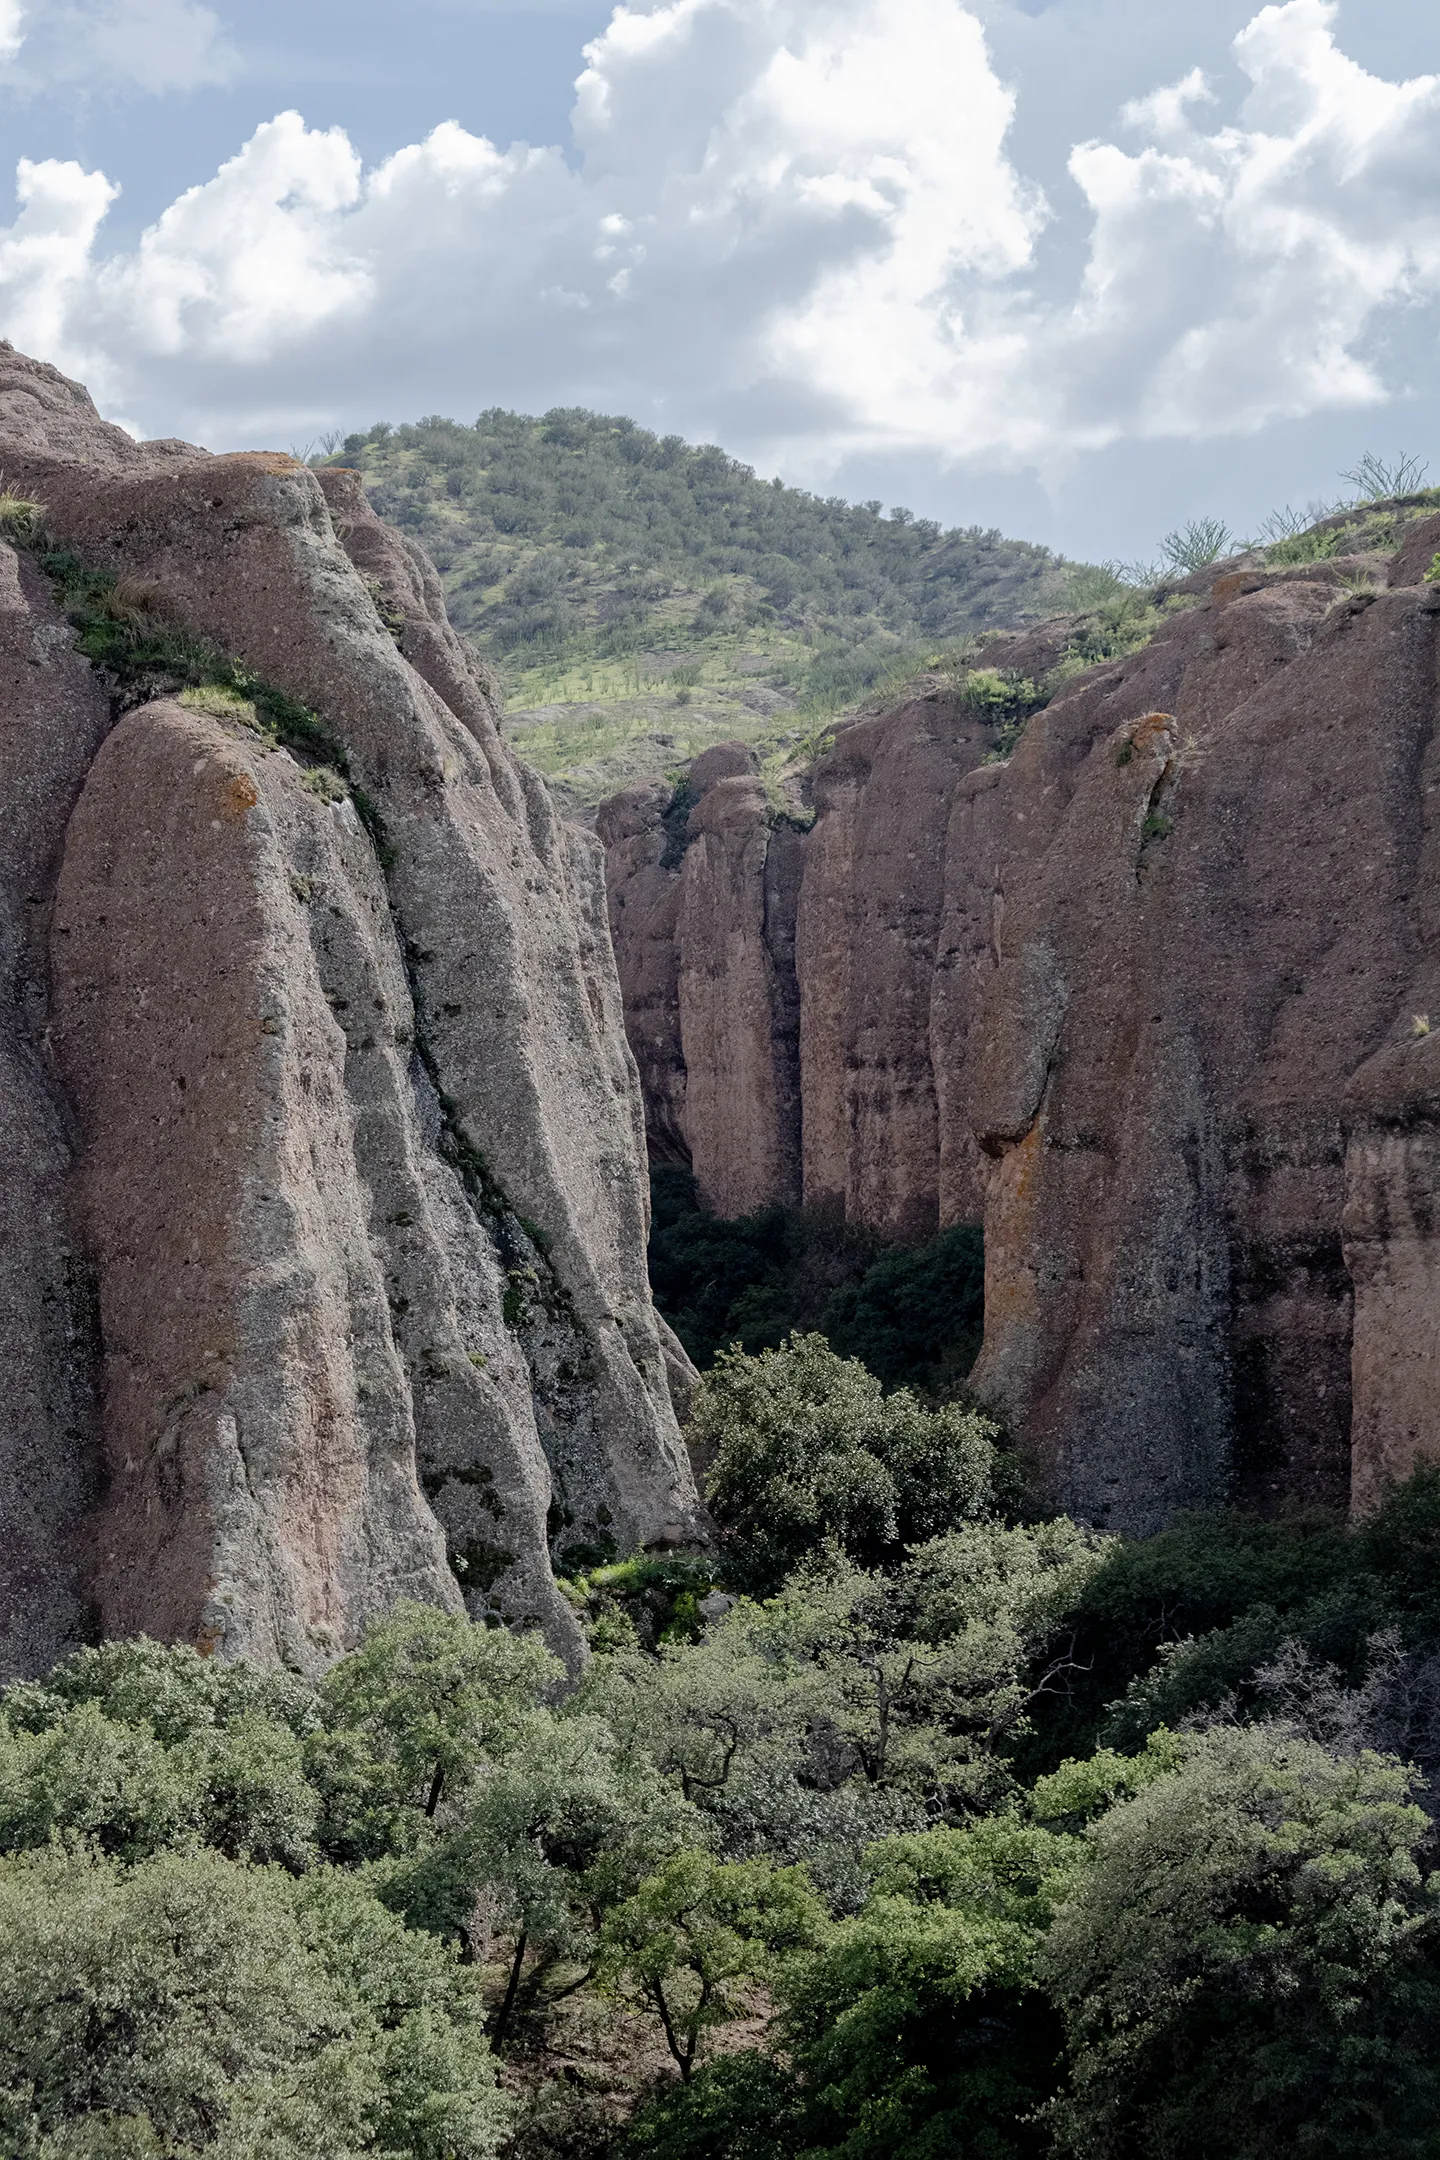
[[1153, 997], [354, 1156], [869, 916], [53, 717], [703, 921]]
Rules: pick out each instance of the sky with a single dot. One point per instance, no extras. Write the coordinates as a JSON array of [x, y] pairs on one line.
[[1082, 269]]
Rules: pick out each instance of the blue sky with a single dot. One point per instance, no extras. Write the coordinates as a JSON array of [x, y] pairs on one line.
[[1081, 269]]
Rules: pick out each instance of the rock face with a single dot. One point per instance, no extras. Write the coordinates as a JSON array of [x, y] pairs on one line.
[[1153, 997], [323, 1164]]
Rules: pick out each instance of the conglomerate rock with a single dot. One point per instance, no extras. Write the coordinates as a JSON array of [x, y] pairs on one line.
[[1152, 996], [323, 1166]]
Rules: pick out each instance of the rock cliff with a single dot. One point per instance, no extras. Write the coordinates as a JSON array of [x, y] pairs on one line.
[[1151, 996], [321, 1150]]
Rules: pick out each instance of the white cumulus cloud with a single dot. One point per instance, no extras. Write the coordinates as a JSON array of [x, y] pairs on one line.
[[795, 225]]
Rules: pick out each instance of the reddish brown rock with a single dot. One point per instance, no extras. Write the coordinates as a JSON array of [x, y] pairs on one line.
[[737, 1038], [53, 718], [703, 922], [360, 1151], [643, 894], [869, 916], [1156, 995]]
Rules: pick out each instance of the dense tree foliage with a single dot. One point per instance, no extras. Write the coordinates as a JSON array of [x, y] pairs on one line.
[[1247, 1962], [894, 1828], [582, 528]]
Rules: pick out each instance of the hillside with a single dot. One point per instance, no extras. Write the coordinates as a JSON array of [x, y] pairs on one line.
[[641, 598]]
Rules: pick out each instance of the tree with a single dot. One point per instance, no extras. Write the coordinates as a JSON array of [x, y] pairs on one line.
[[744, 2106], [556, 1834], [808, 1447], [410, 1716], [138, 1746], [697, 1935], [857, 1704], [919, 2029], [1247, 1964], [192, 2005]]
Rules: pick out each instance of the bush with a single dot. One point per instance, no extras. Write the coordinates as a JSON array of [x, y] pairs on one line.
[[808, 1449], [1246, 1966]]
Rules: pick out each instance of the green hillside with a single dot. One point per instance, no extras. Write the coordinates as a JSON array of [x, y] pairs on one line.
[[641, 598]]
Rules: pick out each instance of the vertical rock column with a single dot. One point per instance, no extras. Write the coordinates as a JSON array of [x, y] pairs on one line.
[[53, 716]]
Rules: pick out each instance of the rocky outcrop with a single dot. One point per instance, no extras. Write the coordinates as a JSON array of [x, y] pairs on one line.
[[1152, 995], [702, 905], [326, 1152]]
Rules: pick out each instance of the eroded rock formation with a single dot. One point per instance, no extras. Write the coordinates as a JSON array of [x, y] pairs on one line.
[[321, 1163], [1153, 995]]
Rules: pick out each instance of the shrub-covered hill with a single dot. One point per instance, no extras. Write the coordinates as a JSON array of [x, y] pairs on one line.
[[642, 597]]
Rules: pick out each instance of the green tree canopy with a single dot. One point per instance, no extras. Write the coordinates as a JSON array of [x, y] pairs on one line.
[[1247, 1965], [808, 1447], [190, 2005]]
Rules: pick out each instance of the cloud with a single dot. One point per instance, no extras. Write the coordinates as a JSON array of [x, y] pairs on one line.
[[794, 225], [155, 45]]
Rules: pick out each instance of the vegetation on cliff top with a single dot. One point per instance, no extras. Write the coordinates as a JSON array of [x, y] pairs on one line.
[[643, 597]]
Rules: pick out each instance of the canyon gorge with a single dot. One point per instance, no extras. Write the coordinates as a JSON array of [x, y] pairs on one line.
[[332, 1056], [1148, 993]]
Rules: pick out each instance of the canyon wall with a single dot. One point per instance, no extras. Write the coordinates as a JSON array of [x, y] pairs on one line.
[[321, 1144], [1152, 997]]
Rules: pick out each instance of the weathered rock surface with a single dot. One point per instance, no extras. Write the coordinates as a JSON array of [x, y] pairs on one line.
[[708, 936], [1153, 997], [348, 1159]]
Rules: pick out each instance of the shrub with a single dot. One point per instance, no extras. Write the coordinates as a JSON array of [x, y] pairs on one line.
[[1244, 1967], [1194, 546], [1377, 479], [808, 1448]]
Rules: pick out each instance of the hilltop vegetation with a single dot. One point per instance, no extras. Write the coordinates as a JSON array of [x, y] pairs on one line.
[[642, 597]]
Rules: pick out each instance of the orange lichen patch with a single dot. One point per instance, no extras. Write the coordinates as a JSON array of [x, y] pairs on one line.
[[1234, 585], [1009, 1289], [1153, 732], [241, 794]]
